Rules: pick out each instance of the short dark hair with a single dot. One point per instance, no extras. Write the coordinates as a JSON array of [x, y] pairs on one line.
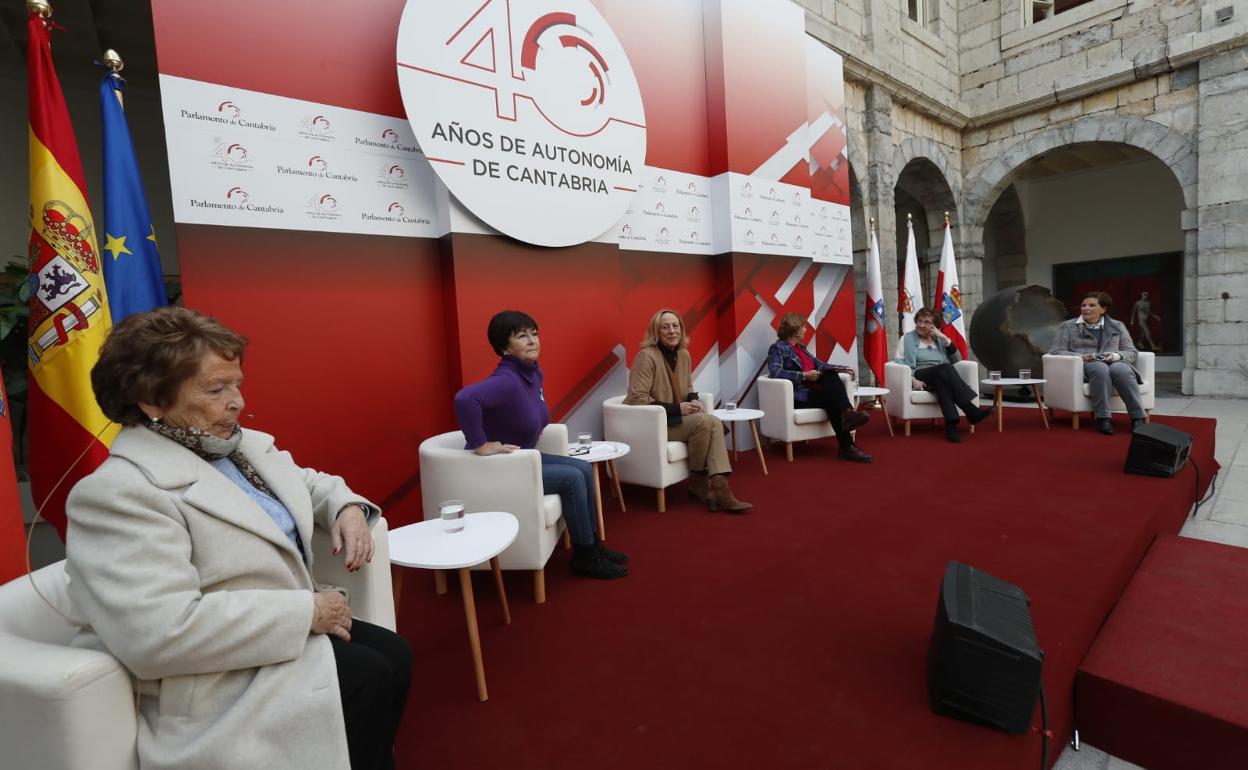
[[1102, 298], [926, 312], [506, 323], [790, 324], [147, 357]]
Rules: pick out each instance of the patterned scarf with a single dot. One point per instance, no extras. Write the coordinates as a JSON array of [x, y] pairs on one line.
[[210, 447]]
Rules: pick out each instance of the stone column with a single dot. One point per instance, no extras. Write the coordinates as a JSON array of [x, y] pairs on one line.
[[1216, 361], [877, 128], [970, 253]]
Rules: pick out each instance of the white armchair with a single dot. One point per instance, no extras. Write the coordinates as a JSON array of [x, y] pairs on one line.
[[503, 482], [66, 708], [652, 461], [907, 404], [782, 421], [1067, 391]]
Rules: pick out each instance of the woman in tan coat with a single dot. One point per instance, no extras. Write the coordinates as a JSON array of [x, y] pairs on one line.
[[661, 376]]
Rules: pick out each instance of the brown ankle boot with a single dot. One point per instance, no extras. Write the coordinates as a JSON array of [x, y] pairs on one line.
[[697, 487], [721, 497]]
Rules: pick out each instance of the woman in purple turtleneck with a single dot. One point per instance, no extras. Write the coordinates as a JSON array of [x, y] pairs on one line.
[[507, 411]]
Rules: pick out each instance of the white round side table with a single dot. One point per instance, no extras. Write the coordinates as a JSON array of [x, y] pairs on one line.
[[603, 452], [752, 416], [427, 545], [1012, 381]]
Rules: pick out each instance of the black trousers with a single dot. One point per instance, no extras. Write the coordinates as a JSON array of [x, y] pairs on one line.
[[831, 397], [950, 390], [374, 670]]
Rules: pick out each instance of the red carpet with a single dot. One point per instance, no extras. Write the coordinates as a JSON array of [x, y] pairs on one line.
[[796, 636], [1164, 684]]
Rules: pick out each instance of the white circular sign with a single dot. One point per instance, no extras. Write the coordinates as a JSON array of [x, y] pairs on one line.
[[527, 110]]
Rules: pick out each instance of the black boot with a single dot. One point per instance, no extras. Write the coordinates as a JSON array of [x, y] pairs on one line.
[[951, 431], [588, 561], [1105, 425], [976, 415], [617, 557]]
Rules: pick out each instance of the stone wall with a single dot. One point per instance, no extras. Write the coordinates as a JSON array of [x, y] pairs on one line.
[[965, 100]]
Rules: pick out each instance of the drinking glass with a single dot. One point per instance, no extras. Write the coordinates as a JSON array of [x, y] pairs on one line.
[[452, 514], [730, 406], [585, 439], [1024, 374], [994, 375]]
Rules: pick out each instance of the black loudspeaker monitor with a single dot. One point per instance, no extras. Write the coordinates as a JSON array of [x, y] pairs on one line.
[[1157, 450], [983, 664]]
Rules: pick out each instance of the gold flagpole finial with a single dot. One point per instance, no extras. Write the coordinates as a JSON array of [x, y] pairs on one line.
[[41, 7], [872, 221], [946, 219], [909, 218], [113, 61]]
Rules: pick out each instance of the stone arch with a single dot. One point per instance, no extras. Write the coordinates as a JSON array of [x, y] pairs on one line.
[[922, 148], [1173, 149]]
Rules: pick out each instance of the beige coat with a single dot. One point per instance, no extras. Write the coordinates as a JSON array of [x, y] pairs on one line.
[[649, 381], [180, 575]]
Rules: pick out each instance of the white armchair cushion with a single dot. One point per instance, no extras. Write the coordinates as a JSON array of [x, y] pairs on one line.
[[509, 482], [906, 404], [652, 460], [552, 508], [809, 416], [1067, 391]]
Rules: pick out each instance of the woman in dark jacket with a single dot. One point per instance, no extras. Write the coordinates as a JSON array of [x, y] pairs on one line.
[[789, 359]]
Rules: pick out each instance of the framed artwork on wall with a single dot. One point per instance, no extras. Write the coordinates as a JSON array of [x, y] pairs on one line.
[[1147, 293]]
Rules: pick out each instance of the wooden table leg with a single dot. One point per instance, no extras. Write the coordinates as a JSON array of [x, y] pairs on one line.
[[396, 586], [615, 480], [502, 592], [732, 428], [997, 400], [1043, 410], [474, 637], [758, 445], [887, 420], [602, 527], [439, 581]]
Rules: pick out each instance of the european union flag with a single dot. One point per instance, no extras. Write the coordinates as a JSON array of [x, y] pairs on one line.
[[132, 273]]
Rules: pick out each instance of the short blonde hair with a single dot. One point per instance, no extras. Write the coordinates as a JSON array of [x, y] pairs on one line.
[[652, 332]]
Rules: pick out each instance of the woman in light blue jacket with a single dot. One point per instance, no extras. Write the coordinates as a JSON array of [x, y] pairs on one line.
[[931, 355]]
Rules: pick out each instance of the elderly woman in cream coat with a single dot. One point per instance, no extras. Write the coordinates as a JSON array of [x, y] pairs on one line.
[[661, 375], [189, 558]]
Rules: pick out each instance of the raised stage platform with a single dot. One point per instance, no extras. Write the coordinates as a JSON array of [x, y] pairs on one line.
[[1166, 684], [796, 636]]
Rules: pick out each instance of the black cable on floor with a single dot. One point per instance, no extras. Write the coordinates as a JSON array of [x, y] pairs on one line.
[[1213, 485], [1044, 731]]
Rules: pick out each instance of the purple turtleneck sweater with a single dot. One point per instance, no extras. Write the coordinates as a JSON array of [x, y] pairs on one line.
[[507, 406]]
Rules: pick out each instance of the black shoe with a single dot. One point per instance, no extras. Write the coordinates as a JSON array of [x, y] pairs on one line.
[[951, 433], [616, 557], [980, 415], [1105, 425], [1137, 422], [588, 562], [854, 454], [851, 419]]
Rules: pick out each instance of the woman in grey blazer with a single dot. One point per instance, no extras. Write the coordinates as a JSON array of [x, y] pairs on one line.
[[1108, 356], [189, 558]]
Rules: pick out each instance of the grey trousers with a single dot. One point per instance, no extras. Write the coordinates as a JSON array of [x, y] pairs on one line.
[[1118, 375]]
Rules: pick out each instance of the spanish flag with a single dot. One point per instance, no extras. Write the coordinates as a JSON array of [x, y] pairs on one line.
[[69, 313]]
